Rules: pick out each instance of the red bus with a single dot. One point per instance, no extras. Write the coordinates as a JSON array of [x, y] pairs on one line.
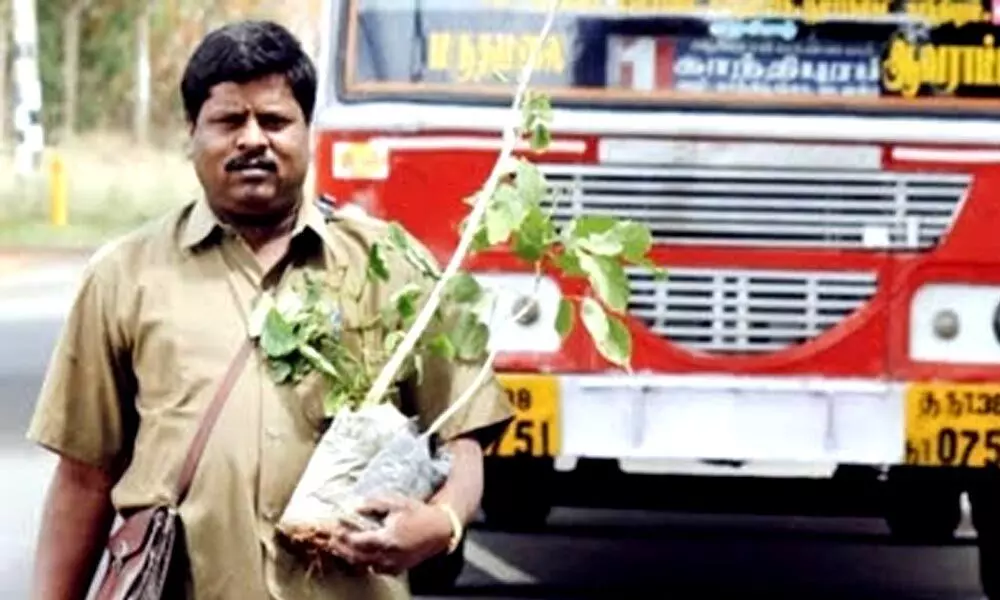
[[819, 179]]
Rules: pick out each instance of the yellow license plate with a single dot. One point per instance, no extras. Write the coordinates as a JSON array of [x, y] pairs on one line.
[[953, 425], [535, 429]]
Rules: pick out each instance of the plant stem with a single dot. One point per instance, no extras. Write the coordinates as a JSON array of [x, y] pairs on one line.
[[510, 138]]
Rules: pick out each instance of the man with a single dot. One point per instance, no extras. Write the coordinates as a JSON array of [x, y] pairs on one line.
[[159, 316]]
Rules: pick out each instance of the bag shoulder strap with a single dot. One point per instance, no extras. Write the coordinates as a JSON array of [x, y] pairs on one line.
[[209, 419]]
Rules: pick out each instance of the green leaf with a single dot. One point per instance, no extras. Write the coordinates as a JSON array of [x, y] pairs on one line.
[[277, 338], [658, 273], [442, 346], [535, 110], [481, 241], [393, 339], [541, 137], [586, 226], [405, 300], [469, 337], [620, 346], [569, 263], [280, 371], [626, 238], [402, 241], [398, 237], [611, 337], [535, 235], [530, 182], [635, 240], [503, 215], [377, 268], [604, 244], [608, 278], [463, 288], [564, 318]]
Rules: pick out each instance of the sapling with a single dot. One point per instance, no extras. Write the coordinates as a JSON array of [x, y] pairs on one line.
[[370, 447]]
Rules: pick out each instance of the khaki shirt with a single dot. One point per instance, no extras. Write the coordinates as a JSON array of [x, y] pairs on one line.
[[157, 319]]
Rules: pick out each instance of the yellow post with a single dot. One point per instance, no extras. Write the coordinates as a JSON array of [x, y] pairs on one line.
[[57, 191]]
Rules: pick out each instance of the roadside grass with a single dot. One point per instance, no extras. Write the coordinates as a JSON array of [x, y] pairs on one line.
[[113, 185]]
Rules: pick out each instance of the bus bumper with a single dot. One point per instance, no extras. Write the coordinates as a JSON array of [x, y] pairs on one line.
[[705, 417]]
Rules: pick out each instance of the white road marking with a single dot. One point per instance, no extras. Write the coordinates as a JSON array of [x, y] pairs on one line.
[[62, 275], [965, 530], [36, 307], [494, 566], [45, 293]]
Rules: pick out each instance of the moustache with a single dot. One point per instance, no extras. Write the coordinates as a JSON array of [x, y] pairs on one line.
[[241, 163]]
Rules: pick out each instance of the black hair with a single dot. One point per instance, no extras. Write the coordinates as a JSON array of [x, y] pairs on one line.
[[244, 51]]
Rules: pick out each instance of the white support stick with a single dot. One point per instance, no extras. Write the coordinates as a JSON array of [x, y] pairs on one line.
[[385, 377]]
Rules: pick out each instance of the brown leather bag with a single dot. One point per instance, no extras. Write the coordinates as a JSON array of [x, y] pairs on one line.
[[143, 549]]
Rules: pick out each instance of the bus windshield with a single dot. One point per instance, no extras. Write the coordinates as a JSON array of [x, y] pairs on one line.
[[913, 57]]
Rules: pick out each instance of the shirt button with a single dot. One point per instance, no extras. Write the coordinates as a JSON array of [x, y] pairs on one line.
[[272, 433]]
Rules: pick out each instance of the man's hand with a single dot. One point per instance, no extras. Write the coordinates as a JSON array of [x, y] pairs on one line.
[[413, 531]]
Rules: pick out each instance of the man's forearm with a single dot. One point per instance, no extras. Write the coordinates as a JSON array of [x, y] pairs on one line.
[[76, 519], [464, 488]]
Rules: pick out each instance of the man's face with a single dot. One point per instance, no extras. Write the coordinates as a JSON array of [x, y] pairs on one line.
[[251, 149]]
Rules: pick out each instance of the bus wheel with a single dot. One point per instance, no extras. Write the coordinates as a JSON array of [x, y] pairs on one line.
[[438, 574], [922, 508], [517, 492]]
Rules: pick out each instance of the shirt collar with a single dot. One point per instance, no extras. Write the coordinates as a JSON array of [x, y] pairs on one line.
[[202, 223]]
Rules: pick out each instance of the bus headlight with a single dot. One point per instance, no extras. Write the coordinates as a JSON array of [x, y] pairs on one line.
[[522, 319], [526, 310], [946, 324], [955, 323]]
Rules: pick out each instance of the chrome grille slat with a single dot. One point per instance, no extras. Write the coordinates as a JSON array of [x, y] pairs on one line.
[[745, 311], [792, 208], [685, 216], [645, 172], [684, 287], [772, 202], [754, 319], [703, 187]]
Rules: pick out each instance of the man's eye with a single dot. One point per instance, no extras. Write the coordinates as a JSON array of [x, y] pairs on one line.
[[272, 121], [230, 119]]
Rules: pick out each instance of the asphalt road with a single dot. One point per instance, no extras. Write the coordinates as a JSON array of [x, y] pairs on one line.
[[581, 554]]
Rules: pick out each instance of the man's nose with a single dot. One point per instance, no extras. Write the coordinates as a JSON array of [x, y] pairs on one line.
[[251, 136]]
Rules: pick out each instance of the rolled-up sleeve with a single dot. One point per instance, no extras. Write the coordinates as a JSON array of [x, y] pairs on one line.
[[443, 383], [85, 409]]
